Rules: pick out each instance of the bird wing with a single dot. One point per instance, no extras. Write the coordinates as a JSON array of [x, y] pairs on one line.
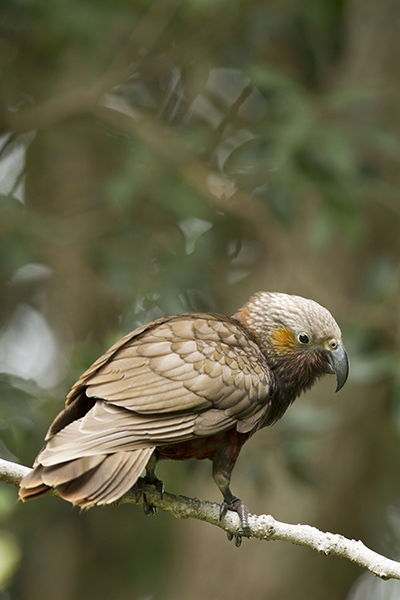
[[185, 364], [173, 380], [177, 379], [107, 429]]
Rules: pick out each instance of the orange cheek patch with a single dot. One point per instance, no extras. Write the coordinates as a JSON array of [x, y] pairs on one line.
[[283, 340]]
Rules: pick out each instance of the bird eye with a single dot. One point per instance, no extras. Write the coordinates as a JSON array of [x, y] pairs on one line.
[[303, 338]]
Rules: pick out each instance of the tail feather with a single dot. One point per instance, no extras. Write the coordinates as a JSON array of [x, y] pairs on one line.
[[109, 481], [29, 493], [57, 474], [87, 481], [124, 477]]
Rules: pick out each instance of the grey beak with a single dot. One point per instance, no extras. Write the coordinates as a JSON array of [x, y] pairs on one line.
[[339, 363]]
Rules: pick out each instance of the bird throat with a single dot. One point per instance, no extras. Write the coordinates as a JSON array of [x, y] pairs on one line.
[[293, 373]]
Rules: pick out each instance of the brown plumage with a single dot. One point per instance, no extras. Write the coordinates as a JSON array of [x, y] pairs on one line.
[[194, 385]]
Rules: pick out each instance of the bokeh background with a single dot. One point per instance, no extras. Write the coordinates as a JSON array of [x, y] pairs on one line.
[[166, 156]]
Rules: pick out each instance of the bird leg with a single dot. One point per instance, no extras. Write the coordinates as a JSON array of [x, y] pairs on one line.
[[223, 463], [151, 473], [151, 478]]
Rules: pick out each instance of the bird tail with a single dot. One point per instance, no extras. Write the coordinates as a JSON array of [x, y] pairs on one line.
[[90, 480]]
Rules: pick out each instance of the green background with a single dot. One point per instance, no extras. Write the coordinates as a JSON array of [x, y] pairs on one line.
[[168, 156]]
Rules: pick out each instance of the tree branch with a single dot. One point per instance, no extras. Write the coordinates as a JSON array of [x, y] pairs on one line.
[[263, 527]]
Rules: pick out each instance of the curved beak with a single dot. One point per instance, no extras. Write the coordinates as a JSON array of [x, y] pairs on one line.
[[339, 365]]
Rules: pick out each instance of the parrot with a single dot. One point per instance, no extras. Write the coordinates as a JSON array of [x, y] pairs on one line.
[[193, 385]]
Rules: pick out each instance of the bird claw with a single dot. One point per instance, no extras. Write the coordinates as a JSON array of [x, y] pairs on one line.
[[236, 537], [148, 508], [158, 484], [241, 509]]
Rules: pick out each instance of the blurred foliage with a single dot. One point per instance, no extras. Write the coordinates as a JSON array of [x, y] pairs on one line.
[[165, 156]]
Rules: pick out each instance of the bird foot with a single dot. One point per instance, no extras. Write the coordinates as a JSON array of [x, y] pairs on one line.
[[158, 484], [241, 509], [148, 508], [236, 537]]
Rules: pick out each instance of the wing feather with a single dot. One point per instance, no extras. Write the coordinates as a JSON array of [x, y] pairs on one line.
[[109, 429], [160, 370]]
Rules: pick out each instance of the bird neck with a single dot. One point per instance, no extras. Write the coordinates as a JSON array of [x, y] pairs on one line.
[[292, 375]]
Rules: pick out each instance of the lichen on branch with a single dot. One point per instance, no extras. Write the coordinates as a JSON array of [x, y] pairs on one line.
[[263, 527]]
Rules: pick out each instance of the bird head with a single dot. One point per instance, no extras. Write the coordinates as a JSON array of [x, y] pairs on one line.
[[299, 337]]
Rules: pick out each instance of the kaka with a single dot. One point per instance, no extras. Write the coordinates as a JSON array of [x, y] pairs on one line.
[[194, 385]]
